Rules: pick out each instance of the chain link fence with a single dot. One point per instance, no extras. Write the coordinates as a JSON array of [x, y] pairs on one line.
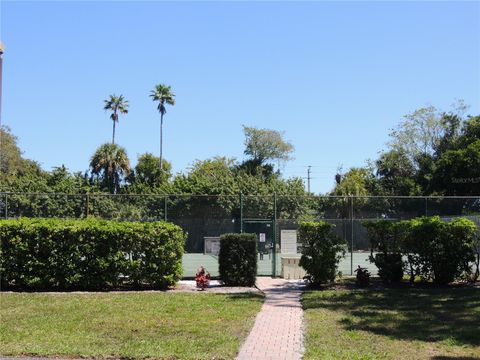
[[274, 218]]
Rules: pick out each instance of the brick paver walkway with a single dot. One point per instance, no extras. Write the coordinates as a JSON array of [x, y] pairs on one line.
[[277, 332]]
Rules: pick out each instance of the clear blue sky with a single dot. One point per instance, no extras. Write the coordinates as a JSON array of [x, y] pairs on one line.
[[335, 77]]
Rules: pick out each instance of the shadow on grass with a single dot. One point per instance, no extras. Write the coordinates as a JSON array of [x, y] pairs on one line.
[[451, 315], [246, 295]]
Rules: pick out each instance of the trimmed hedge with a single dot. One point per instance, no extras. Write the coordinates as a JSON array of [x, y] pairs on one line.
[[321, 251], [55, 254], [430, 248], [237, 259], [441, 251]]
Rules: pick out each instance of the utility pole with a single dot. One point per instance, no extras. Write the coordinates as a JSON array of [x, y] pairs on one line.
[[308, 177], [1, 70]]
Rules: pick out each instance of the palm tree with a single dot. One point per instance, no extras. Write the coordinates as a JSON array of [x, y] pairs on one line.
[[111, 163], [164, 95], [116, 104]]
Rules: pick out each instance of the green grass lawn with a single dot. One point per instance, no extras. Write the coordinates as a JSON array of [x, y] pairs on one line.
[[405, 323], [131, 325]]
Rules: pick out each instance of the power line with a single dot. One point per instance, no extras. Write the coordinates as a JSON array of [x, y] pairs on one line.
[[308, 177]]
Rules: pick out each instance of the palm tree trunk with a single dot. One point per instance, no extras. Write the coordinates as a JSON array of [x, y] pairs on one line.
[[161, 141], [113, 134]]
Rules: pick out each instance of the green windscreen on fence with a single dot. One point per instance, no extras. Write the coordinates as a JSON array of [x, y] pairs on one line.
[[273, 219]]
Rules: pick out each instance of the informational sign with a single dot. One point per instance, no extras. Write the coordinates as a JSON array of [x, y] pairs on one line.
[[262, 237], [212, 245], [288, 241], [215, 249]]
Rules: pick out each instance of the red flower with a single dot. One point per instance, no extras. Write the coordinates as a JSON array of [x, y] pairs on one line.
[[202, 278]]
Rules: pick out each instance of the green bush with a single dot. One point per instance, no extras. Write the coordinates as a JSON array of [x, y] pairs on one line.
[[390, 267], [386, 241], [441, 251], [237, 260], [54, 254], [434, 249], [321, 251]]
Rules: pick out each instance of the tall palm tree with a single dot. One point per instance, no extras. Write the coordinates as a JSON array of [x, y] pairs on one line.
[[111, 163], [116, 104], [164, 95]]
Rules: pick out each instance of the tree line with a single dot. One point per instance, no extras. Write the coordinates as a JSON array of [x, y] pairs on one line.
[[429, 153]]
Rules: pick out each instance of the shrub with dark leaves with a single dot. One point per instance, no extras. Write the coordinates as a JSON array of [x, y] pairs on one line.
[[321, 251], [237, 259]]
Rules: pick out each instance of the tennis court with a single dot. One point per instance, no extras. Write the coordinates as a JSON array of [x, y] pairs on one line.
[[192, 261]]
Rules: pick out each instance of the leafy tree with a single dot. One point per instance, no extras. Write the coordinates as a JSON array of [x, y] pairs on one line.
[[264, 145], [116, 104], [164, 95], [419, 133], [148, 173], [458, 171], [219, 176], [396, 174], [457, 168], [110, 164], [413, 164], [470, 132], [427, 130], [207, 177], [60, 180], [254, 167], [210, 176], [12, 163], [356, 182], [10, 154], [452, 124]]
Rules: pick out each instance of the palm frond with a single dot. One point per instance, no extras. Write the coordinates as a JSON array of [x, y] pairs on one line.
[[116, 103], [164, 95]]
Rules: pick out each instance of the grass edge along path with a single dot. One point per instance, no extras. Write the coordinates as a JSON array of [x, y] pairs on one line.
[[132, 325], [416, 323]]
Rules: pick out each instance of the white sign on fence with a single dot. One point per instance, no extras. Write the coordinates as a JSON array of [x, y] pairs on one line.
[[262, 237], [212, 245], [288, 241]]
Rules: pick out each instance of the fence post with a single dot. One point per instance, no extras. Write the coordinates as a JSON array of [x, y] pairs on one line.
[[426, 206], [6, 206], [165, 208], [351, 236], [274, 235], [241, 212]]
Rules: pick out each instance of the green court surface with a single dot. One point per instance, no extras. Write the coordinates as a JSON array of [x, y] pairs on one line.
[[192, 261]]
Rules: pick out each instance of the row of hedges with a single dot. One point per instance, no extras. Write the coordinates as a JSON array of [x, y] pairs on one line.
[[426, 247], [53, 254]]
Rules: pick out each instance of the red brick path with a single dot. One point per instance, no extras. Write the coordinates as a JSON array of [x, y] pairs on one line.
[[277, 332]]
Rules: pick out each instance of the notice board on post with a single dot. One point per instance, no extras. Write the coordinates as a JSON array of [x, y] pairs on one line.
[[288, 242]]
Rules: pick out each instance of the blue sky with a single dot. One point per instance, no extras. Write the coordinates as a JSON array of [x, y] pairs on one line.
[[334, 76]]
